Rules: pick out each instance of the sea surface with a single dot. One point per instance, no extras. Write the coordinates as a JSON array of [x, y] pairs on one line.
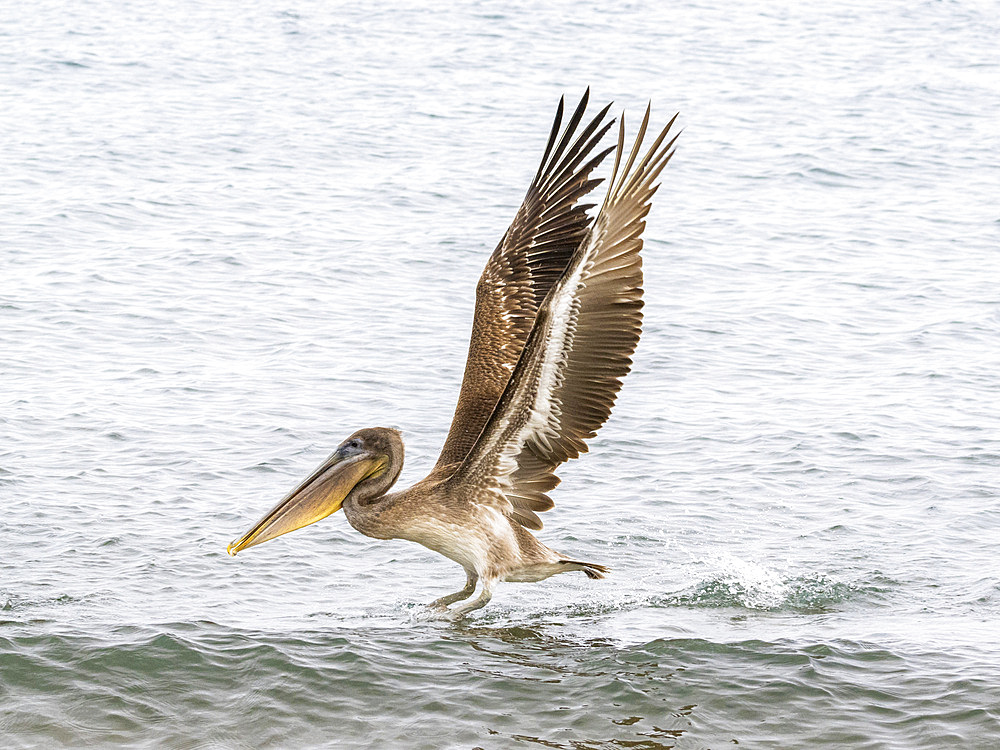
[[232, 233]]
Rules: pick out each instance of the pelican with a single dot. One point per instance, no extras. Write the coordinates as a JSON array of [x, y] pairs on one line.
[[557, 317]]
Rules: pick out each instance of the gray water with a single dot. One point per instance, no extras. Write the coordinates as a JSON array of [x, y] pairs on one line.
[[233, 233]]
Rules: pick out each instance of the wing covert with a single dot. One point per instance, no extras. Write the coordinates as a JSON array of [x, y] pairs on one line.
[[530, 258], [569, 373]]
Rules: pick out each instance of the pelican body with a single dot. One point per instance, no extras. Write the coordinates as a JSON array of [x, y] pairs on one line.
[[558, 315]]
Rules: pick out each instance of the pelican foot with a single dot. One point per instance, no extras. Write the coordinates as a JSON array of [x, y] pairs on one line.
[[429, 614]]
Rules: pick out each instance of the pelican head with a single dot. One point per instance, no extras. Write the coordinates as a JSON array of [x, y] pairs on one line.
[[366, 464]]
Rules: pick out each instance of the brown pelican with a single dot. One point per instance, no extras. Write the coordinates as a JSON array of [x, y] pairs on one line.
[[557, 317]]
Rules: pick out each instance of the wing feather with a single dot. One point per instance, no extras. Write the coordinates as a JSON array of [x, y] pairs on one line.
[[570, 370], [548, 227]]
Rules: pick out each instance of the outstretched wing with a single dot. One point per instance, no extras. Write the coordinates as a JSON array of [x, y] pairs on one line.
[[530, 258], [565, 382]]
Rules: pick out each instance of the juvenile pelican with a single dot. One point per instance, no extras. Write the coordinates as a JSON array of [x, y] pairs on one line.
[[558, 314]]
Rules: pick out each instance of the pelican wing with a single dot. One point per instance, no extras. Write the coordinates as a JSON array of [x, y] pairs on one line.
[[530, 258], [565, 382]]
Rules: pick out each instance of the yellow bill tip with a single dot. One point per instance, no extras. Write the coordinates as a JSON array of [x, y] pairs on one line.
[[232, 549]]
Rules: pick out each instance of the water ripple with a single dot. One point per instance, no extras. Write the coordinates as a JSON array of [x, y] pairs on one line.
[[232, 238]]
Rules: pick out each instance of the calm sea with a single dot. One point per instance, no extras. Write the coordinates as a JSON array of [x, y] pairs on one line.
[[232, 233]]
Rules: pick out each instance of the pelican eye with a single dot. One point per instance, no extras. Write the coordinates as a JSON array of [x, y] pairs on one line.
[[352, 447]]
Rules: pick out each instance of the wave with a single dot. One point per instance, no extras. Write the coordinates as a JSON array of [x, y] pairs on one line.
[[201, 684]]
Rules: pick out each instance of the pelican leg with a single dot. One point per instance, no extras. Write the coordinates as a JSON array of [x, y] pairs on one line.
[[470, 587], [480, 601]]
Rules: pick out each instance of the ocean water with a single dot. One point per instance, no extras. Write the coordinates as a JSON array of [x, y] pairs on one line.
[[233, 233]]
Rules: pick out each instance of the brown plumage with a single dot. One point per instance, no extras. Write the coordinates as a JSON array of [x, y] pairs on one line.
[[558, 315]]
